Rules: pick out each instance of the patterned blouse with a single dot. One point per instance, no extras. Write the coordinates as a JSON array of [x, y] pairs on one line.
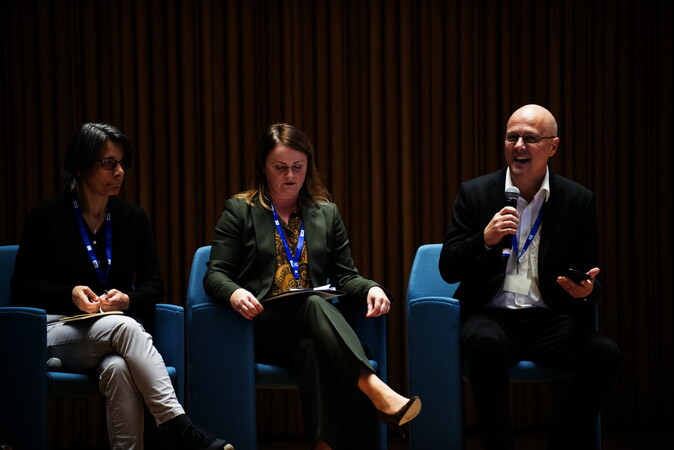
[[284, 280]]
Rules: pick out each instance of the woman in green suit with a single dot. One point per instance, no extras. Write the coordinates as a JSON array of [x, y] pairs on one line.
[[284, 233]]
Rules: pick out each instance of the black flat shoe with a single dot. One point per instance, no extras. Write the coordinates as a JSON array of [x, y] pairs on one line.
[[408, 412], [192, 437]]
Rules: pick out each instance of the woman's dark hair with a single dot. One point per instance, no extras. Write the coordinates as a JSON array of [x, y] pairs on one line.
[[312, 190], [84, 149]]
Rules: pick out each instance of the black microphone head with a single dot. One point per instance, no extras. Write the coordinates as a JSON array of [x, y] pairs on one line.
[[512, 193]]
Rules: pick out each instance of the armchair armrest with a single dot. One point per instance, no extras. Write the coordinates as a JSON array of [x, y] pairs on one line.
[[23, 378], [169, 339], [221, 349], [436, 370]]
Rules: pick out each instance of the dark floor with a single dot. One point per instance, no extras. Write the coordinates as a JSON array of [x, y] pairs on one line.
[[611, 440]]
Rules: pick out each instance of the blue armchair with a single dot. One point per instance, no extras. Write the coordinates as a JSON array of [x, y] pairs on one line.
[[25, 380], [435, 364], [223, 375]]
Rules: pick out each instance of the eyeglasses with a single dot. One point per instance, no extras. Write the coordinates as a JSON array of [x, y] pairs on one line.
[[527, 138], [111, 163]]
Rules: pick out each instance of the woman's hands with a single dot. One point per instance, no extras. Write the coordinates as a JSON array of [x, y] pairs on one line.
[[88, 302], [245, 304], [85, 299], [377, 302], [248, 306], [114, 300]]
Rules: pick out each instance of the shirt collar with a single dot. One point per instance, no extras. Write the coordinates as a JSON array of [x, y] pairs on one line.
[[545, 185]]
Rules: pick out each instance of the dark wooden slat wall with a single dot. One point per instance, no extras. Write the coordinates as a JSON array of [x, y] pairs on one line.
[[403, 100]]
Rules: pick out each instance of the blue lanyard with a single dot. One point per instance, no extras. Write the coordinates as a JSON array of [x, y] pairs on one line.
[[531, 236], [90, 248], [293, 260]]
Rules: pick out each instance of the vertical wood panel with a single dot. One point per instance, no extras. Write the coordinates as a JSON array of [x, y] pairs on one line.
[[402, 99]]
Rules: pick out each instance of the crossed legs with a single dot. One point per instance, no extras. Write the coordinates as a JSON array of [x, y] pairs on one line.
[[131, 372], [329, 362]]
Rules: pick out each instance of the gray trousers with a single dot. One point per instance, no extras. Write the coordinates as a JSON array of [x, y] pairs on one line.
[[131, 372]]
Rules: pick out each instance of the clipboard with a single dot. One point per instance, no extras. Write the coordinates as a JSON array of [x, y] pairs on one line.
[[323, 292], [88, 316]]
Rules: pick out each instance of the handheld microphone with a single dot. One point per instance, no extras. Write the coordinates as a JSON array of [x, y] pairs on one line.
[[511, 196]]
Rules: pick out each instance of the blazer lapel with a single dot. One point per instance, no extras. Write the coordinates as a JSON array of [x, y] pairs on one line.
[[316, 244], [265, 242], [496, 197], [550, 222]]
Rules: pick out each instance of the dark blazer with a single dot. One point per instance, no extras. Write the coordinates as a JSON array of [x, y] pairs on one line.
[[243, 253], [568, 240]]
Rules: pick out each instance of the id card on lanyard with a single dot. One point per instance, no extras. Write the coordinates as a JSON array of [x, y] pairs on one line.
[[294, 260], [103, 277], [516, 283]]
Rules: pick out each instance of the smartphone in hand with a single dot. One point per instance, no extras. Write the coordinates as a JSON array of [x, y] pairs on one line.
[[576, 275]]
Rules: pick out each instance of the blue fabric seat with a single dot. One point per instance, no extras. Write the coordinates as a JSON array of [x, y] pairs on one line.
[[223, 375], [25, 380], [435, 364]]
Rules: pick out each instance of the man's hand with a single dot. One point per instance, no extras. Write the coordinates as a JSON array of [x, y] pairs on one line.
[[582, 289], [504, 222]]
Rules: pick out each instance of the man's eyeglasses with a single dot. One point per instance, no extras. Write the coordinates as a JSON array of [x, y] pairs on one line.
[[111, 163], [527, 138]]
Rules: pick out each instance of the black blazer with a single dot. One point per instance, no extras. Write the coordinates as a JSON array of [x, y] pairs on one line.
[[568, 240], [52, 259]]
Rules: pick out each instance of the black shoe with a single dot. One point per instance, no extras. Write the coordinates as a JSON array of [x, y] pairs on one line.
[[196, 438], [408, 412], [191, 437]]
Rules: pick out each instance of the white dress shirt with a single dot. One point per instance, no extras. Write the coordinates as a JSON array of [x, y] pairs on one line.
[[527, 268]]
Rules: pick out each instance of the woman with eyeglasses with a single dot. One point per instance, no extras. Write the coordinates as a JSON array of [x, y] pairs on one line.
[[84, 251]]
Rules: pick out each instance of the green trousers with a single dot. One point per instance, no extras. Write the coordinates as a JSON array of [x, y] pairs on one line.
[[312, 334]]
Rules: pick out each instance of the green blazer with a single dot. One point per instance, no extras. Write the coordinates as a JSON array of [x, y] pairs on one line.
[[243, 253]]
